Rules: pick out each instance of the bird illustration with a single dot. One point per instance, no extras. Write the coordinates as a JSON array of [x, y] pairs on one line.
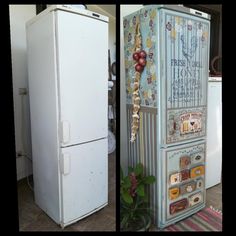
[[187, 51]]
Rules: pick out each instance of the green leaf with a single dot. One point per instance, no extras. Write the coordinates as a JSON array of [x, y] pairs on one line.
[[138, 170], [126, 197], [149, 179], [140, 190], [130, 169], [126, 183], [146, 199]]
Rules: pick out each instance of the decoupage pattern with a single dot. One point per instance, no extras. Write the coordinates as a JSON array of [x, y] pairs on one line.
[[148, 27], [187, 66], [185, 178], [185, 124]]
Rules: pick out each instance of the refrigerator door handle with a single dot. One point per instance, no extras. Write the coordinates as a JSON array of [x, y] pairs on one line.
[[65, 163], [65, 132]]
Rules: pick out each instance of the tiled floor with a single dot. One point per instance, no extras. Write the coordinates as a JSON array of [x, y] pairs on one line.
[[32, 218], [214, 197]]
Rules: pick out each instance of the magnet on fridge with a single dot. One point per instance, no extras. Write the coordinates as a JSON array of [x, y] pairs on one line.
[[178, 206], [196, 158], [184, 174], [195, 199], [173, 193], [184, 162], [197, 171], [188, 188], [175, 178]]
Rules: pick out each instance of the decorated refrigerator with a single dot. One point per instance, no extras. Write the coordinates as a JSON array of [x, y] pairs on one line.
[[166, 71]]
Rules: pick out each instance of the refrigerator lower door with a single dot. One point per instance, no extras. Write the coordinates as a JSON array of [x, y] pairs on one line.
[[84, 180], [182, 182]]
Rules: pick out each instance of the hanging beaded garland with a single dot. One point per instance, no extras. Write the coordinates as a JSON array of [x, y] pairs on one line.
[[139, 56]]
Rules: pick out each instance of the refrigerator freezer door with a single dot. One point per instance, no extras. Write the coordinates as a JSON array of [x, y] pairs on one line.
[[82, 50], [85, 184], [184, 72], [182, 191]]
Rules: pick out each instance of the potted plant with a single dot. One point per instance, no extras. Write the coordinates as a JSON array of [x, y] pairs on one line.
[[134, 209]]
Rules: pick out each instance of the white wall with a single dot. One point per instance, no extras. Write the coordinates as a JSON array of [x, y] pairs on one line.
[[124, 10], [19, 14]]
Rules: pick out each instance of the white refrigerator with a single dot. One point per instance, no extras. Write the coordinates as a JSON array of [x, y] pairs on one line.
[[68, 77], [214, 132]]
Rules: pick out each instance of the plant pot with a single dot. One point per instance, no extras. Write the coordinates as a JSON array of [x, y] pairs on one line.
[[146, 225], [143, 223]]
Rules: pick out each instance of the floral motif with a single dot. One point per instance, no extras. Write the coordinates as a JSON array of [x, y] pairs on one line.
[[129, 37], [168, 26], [173, 34], [149, 79], [190, 25], [151, 23], [150, 54], [153, 14], [147, 20], [145, 13], [148, 42], [177, 20], [204, 36], [125, 23], [134, 20]]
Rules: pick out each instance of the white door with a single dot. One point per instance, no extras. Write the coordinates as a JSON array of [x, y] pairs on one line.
[[214, 135], [84, 179], [82, 47]]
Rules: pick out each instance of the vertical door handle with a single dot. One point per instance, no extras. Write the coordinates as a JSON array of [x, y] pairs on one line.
[[65, 163], [65, 132]]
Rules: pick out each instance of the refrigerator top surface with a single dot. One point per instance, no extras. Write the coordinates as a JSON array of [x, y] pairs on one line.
[[215, 79], [71, 9], [181, 8]]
